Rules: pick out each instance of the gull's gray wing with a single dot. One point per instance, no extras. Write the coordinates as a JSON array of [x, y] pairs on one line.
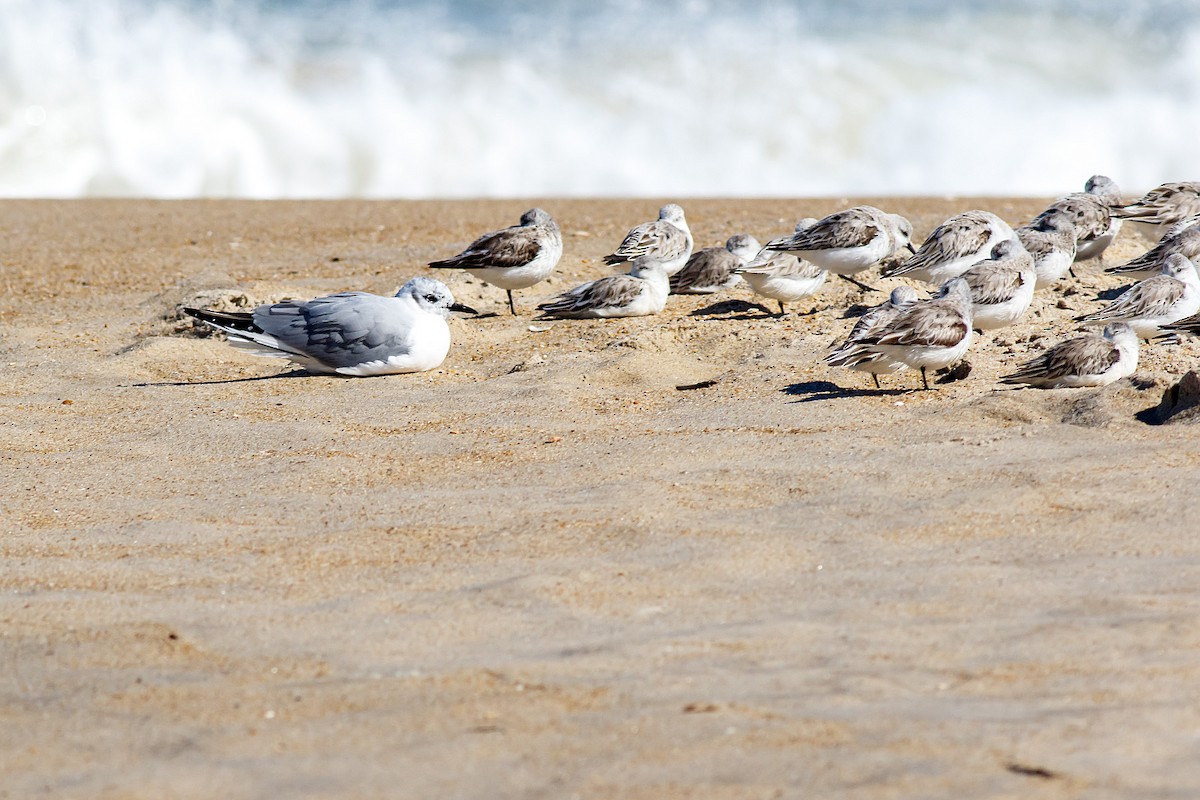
[[341, 330]]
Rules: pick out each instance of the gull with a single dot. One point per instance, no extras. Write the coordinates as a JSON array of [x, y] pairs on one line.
[[641, 292], [1002, 286], [847, 354], [1091, 213], [667, 240], [1162, 207], [953, 247], [931, 334], [1168, 297], [1184, 239], [350, 333], [849, 242], [711, 269], [783, 277], [1051, 240], [513, 258], [1090, 360]]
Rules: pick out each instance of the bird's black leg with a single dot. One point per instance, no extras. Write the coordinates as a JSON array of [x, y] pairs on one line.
[[781, 311], [924, 380], [875, 378], [511, 307], [858, 283]]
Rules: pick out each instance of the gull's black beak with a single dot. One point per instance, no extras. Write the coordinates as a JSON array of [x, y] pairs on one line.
[[462, 308], [910, 247]]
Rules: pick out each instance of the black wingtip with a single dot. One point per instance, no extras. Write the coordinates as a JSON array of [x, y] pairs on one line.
[[238, 321]]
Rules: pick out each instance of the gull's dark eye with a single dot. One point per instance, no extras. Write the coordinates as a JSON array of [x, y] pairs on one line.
[[432, 298]]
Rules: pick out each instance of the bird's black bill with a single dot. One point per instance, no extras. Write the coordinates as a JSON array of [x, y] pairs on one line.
[[911, 249], [462, 308]]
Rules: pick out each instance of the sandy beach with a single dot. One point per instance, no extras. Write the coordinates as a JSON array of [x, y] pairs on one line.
[[543, 570]]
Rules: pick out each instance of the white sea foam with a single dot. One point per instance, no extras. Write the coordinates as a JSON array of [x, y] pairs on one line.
[[321, 99]]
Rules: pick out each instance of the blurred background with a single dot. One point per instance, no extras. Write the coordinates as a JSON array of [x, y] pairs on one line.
[[470, 98]]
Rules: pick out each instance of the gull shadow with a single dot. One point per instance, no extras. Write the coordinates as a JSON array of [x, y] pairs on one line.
[[813, 391], [299, 373], [740, 308]]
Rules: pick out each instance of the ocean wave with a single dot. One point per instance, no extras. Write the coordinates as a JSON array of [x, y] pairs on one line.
[[424, 99]]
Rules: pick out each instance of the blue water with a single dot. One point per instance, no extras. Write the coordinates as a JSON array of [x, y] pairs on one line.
[[468, 98]]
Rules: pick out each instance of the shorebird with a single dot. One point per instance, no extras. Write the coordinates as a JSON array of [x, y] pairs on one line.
[[847, 353], [1093, 359], [712, 269], [1184, 239], [1090, 211], [783, 277], [641, 292], [953, 247], [848, 242], [931, 334], [1164, 206], [513, 258], [1159, 300], [1051, 241], [667, 240], [1001, 286]]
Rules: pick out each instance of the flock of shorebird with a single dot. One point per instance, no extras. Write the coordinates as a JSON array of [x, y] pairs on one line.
[[985, 272]]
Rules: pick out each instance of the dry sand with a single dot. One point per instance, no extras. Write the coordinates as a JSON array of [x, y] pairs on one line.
[[542, 570]]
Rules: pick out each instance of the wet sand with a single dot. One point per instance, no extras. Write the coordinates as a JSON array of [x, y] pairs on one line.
[[542, 570]]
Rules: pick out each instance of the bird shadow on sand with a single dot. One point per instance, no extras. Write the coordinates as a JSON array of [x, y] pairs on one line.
[[813, 391], [735, 309], [298, 373]]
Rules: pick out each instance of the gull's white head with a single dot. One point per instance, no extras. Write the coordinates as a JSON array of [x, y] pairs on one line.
[[432, 296], [743, 245]]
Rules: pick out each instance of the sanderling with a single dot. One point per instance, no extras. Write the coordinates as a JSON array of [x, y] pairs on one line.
[[1158, 300], [514, 258], [1090, 360], [848, 242], [711, 269], [931, 334], [847, 354], [350, 333], [1090, 212], [1162, 207], [783, 277], [1051, 241], [641, 292], [667, 240], [1001, 286], [1185, 241], [954, 247]]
